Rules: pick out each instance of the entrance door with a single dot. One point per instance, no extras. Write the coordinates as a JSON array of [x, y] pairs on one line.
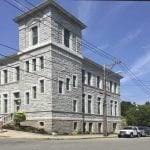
[[114, 127], [99, 127]]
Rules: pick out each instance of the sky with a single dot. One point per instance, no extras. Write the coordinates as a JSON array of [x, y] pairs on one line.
[[121, 29]]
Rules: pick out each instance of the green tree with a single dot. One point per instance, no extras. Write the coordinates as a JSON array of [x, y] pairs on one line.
[[125, 106]]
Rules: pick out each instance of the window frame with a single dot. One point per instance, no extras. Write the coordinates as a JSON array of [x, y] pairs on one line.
[[34, 92], [62, 87], [42, 86], [67, 39], [37, 35]]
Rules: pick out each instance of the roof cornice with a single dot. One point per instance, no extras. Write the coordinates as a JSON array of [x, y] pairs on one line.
[[44, 5]]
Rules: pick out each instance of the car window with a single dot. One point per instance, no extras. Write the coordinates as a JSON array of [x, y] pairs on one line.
[[128, 128]]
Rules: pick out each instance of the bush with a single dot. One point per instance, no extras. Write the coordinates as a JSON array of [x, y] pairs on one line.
[[74, 133], [19, 117]]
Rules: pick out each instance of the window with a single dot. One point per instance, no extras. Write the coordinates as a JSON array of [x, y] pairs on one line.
[[111, 86], [89, 78], [34, 35], [17, 101], [98, 82], [17, 73], [99, 127], [41, 123], [42, 86], [99, 105], [89, 103], [90, 127], [41, 62], [17, 95], [115, 108], [115, 87], [111, 107], [83, 76], [34, 64], [74, 106], [84, 127], [68, 84], [83, 103], [75, 126], [34, 92], [5, 103], [61, 87], [74, 81], [66, 37], [0, 105], [27, 96], [5, 76], [27, 66]]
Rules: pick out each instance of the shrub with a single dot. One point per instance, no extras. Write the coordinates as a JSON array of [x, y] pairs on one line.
[[74, 133], [19, 117]]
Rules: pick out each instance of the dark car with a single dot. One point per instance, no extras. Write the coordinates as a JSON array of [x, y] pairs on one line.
[[146, 130]]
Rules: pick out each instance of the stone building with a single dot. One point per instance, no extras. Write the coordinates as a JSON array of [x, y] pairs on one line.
[[51, 81]]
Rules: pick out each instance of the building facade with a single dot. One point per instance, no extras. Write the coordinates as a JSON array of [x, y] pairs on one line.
[[51, 81]]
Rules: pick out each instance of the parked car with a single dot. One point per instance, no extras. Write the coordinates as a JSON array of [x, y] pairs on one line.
[[146, 130], [128, 131], [141, 132]]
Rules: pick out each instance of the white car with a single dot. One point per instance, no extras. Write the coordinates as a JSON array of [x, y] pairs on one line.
[[128, 132]]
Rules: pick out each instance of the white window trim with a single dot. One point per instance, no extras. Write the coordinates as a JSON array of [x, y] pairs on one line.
[[40, 85], [34, 24], [76, 83], [63, 87], [39, 67], [2, 102], [25, 102], [36, 92], [69, 83], [77, 109]]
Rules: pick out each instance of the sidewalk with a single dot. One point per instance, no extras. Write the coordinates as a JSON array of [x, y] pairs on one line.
[[26, 135]]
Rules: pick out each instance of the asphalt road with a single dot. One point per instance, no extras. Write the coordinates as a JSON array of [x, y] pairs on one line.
[[84, 144]]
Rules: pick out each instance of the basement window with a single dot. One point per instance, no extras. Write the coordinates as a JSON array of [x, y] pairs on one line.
[[41, 123]]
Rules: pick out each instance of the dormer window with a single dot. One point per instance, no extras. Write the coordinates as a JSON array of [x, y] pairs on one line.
[[66, 37], [34, 35]]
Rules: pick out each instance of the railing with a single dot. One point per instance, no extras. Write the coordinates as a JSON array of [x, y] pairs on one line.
[[6, 119]]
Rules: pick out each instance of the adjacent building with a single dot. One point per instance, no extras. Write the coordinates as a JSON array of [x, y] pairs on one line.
[[51, 81]]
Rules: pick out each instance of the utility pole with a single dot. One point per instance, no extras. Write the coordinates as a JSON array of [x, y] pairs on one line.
[[105, 133]]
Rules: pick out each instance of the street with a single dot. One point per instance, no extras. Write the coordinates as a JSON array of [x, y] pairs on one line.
[[88, 144]]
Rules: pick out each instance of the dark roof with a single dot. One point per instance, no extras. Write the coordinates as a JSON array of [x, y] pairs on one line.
[[44, 5]]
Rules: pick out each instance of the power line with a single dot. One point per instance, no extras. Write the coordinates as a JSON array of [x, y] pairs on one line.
[[108, 56]]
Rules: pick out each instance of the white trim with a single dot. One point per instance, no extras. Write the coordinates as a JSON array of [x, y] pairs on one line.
[[41, 79], [34, 85], [69, 83], [25, 102], [63, 87], [76, 82]]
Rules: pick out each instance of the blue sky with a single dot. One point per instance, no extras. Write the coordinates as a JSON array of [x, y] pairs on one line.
[[122, 29]]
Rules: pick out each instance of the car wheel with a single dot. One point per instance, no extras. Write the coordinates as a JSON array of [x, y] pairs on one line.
[[131, 135], [139, 135]]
